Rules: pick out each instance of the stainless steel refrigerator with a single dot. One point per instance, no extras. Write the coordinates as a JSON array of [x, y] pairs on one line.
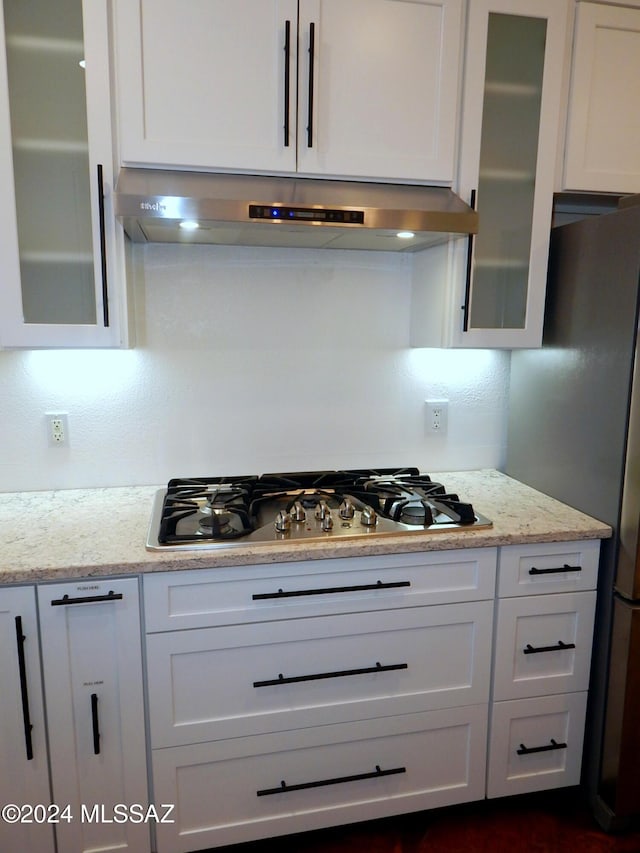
[[574, 433]]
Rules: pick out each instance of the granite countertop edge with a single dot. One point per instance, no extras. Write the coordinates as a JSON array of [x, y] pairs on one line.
[[63, 534]]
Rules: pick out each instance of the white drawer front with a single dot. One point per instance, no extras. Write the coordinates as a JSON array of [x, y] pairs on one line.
[[548, 567], [543, 645], [439, 759], [198, 599], [536, 744], [216, 683]]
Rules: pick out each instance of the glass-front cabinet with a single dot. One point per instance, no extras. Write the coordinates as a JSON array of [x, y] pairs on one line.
[[511, 111], [62, 252]]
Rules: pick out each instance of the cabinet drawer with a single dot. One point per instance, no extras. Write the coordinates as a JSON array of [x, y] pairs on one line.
[[197, 599], [217, 683], [536, 744], [548, 567], [543, 645], [329, 773]]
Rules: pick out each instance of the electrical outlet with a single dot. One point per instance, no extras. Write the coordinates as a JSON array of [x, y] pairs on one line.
[[437, 416], [57, 430]]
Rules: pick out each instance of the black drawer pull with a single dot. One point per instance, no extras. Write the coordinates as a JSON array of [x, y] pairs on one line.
[[284, 788], [312, 56], [338, 674], [88, 599], [95, 724], [331, 590], [560, 647], [467, 285], [287, 79], [556, 571], [103, 249], [528, 750], [22, 668]]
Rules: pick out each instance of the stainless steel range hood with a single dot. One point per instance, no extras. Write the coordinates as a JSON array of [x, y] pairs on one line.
[[158, 206]]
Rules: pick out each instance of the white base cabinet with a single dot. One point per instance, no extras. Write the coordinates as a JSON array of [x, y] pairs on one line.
[[542, 656], [293, 696], [302, 695], [24, 779], [92, 663]]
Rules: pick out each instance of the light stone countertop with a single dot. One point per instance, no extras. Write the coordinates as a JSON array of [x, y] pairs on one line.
[[76, 533]]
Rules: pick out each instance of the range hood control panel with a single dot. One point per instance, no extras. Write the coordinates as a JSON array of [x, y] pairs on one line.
[[279, 213]]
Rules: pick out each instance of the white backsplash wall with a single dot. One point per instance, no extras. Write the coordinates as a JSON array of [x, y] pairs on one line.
[[247, 361]]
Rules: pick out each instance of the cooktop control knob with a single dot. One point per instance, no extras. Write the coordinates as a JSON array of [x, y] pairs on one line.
[[322, 509], [369, 517], [347, 510], [283, 521], [298, 512], [327, 522]]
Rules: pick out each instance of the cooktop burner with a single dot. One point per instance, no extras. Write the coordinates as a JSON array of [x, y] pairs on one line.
[[219, 512]]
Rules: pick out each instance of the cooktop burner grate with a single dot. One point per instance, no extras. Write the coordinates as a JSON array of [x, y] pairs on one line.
[[217, 512]]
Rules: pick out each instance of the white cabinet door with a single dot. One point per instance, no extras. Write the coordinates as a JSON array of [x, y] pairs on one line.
[[204, 84], [602, 151], [211, 597], [543, 644], [385, 88], [367, 88], [545, 567], [255, 787], [24, 780], [63, 282], [536, 744], [511, 109], [305, 672], [92, 662]]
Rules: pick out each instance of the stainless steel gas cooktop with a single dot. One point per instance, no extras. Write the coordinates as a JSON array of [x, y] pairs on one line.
[[313, 506]]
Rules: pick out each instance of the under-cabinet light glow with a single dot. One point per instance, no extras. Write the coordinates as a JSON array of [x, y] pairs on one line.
[[405, 235], [189, 225]]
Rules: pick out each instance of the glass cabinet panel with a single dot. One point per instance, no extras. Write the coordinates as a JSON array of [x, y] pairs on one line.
[[47, 102], [507, 176]]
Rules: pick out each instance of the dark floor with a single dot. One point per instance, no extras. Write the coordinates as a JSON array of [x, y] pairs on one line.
[[554, 822]]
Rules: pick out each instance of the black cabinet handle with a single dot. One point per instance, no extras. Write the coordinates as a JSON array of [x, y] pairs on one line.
[[287, 79], [528, 750], [284, 788], [467, 280], [312, 57], [103, 248], [95, 723], [294, 679], [330, 590], [560, 647], [22, 667], [555, 571], [87, 599]]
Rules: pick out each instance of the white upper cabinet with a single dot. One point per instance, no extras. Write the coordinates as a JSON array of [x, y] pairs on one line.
[[602, 152], [366, 88], [62, 253], [511, 110]]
